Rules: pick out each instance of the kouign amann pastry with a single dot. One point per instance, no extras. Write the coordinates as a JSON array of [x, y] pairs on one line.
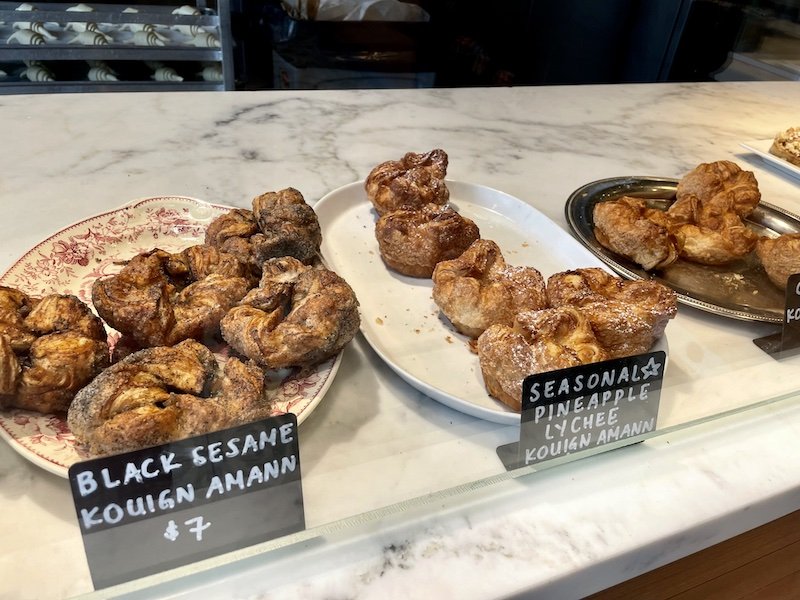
[[537, 342], [413, 242], [478, 289], [628, 227], [299, 316], [162, 394], [411, 182], [49, 349], [626, 316], [160, 298], [280, 224], [780, 257]]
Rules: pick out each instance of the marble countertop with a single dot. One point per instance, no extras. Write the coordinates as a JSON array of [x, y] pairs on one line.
[[374, 441]]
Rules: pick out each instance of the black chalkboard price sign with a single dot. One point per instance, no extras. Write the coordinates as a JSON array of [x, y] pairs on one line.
[[158, 508], [587, 406], [786, 342]]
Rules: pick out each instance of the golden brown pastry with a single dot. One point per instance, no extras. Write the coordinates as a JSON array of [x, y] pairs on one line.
[[411, 182], [478, 289], [49, 349], [711, 232], [708, 180], [159, 299], [163, 394], [627, 317], [780, 257], [537, 342], [299, 316], [786, 145], [705, 224], [628, 227], [412, 242]]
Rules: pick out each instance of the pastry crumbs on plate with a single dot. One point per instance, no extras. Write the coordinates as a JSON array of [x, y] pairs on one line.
[[448, 339], [379, 321]]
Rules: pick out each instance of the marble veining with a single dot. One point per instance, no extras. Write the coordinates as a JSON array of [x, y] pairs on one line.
[[374, 441]]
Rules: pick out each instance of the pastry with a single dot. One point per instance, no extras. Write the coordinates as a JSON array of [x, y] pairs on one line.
[[708, 180], [280, 224], [289, 225], [629, 228], [711, 232], [705, 224], [780, 257], [159, 298], [627, 317], [299, 316], [161, 394], [537, 342], [412, 242], [411, 182], [786, 145], [49, 349], [479, 289]]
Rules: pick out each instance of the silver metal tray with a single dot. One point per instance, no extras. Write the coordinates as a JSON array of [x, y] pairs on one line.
[[740, 290]]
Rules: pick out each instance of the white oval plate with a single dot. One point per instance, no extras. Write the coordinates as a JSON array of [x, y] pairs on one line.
[[70, 260], [399, 318]]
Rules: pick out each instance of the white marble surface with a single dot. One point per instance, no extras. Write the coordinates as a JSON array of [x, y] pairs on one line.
[[374, 440]]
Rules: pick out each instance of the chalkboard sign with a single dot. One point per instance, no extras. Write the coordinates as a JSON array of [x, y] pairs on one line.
[[587, 406], [786, 342], [158, 508]]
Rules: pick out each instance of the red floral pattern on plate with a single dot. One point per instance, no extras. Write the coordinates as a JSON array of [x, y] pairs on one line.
[[70, 260]]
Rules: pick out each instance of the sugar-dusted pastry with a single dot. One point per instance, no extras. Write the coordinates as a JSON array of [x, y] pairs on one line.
[[49, 349], [411, 182], [628, 227], [537, 342], [627, 316], [162, 394], [413, 242], [478, 289], [780, 257], [159, 298], [786, 145], [299, 316]]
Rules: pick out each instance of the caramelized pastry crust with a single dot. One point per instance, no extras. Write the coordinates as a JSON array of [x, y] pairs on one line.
[[159, 298], [704, 225], [479, 289], [411, 182], [290, 226], [163, 394], [412, 242], [49, 349], [627, 317], [537, 342], [780, 257], [280, 224], [298, 316], [709, 180], [626, 226]]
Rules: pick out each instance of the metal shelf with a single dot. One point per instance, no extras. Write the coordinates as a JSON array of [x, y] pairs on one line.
[[118, 45]]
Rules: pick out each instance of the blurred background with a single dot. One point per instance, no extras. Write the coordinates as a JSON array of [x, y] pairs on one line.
[[318, 44]]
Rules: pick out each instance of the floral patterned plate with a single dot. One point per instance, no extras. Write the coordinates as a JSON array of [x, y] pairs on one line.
[[70, 260]]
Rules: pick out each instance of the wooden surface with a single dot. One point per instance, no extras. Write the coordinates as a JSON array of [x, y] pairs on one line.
[[760, 564]]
